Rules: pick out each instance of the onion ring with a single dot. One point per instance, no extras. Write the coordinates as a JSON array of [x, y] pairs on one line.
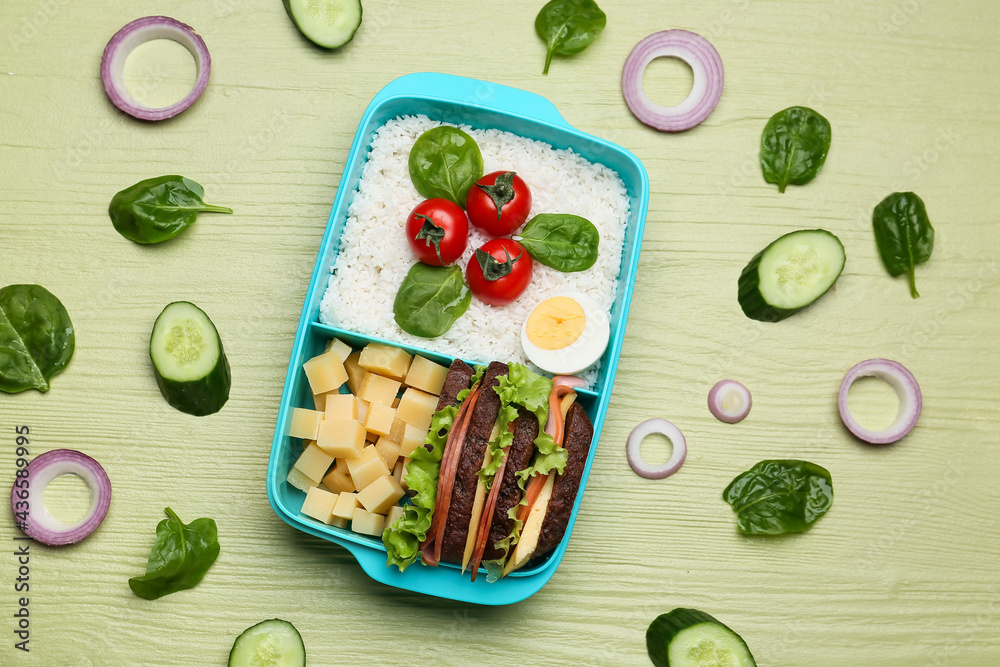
[[133, 35], [639, 433], [705, 63], [42, 526], [907, 389], [729, 401]]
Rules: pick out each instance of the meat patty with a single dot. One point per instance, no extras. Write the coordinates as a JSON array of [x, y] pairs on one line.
[[579, 433], [481, 421], [459, 375], [518, 458]]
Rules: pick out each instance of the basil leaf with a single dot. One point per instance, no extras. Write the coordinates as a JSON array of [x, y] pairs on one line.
[[430, 299], [793, 147], [904, 234], [565, 242], [445, 162], [36, 338], [158, 209], [776, 497], [568, 27], [180, 557]]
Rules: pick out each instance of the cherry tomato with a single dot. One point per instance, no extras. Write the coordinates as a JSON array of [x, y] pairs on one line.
[[499, 271], [503, 190], [438, 231]]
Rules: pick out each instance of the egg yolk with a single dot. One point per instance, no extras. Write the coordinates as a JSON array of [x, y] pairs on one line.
[[555, 323]]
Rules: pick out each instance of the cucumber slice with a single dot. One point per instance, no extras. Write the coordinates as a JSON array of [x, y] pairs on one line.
[[791, 273], [326, 23], [692, 638], [191, 367], [270, 643]]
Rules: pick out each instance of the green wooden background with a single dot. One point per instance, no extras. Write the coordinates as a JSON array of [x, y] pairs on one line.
[[904, 570]]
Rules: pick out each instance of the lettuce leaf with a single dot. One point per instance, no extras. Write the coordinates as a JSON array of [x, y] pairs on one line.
[[521, 386], [402, 539]]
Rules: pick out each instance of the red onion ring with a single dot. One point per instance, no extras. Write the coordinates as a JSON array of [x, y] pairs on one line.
[[729, 401], [639, 433], [907, 389], [705, 63], [133, 35], [42, 469]]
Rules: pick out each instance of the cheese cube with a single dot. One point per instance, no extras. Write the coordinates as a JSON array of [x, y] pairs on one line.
[[338, 480], [342, 349], [338, 522], [313, 463], [397, 473], [345, 506], [366, 468], [398, 430], [319, 401], [341, 406], [305, 423], [380, 495], [341, 437], [416, 407], [395, 403], [366, 523], [362, 409], [388, 450], [325, 373], [426, 375], [413, 437], [392, 362], [300, 480], [379, 419], [355, 374], [378, 389], [394, 513], [319, 504]]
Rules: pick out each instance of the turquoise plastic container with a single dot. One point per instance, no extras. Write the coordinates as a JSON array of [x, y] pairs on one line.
[[481, 104]]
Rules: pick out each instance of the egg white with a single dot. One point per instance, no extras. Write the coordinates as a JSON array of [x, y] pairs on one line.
[[582, 352]]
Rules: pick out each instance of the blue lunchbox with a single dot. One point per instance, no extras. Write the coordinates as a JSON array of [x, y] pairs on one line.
[[480, 104]]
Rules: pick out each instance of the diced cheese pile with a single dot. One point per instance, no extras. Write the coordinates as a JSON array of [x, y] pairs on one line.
[[357, 442]]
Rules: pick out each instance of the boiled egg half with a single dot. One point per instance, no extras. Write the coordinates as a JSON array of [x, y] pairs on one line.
[[565, 333]]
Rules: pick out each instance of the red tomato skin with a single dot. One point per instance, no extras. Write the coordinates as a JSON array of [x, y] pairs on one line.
[[505, 290], [447, 215], [483, 212]]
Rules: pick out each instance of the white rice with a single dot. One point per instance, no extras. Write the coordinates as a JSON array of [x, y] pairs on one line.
[[374, 255]]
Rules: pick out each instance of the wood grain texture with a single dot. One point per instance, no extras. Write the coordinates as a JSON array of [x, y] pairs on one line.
[[902, 571]]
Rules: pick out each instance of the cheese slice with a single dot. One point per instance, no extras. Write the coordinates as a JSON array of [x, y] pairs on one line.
[[477, 505], [532, 530]]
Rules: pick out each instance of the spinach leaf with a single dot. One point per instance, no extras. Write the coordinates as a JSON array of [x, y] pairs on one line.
[[568, 27], [904, 234], [793, 147], [565, 242], [181, 555], [430, 299], [158, 209], [445, 162], [776, 497], [36, 338]]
